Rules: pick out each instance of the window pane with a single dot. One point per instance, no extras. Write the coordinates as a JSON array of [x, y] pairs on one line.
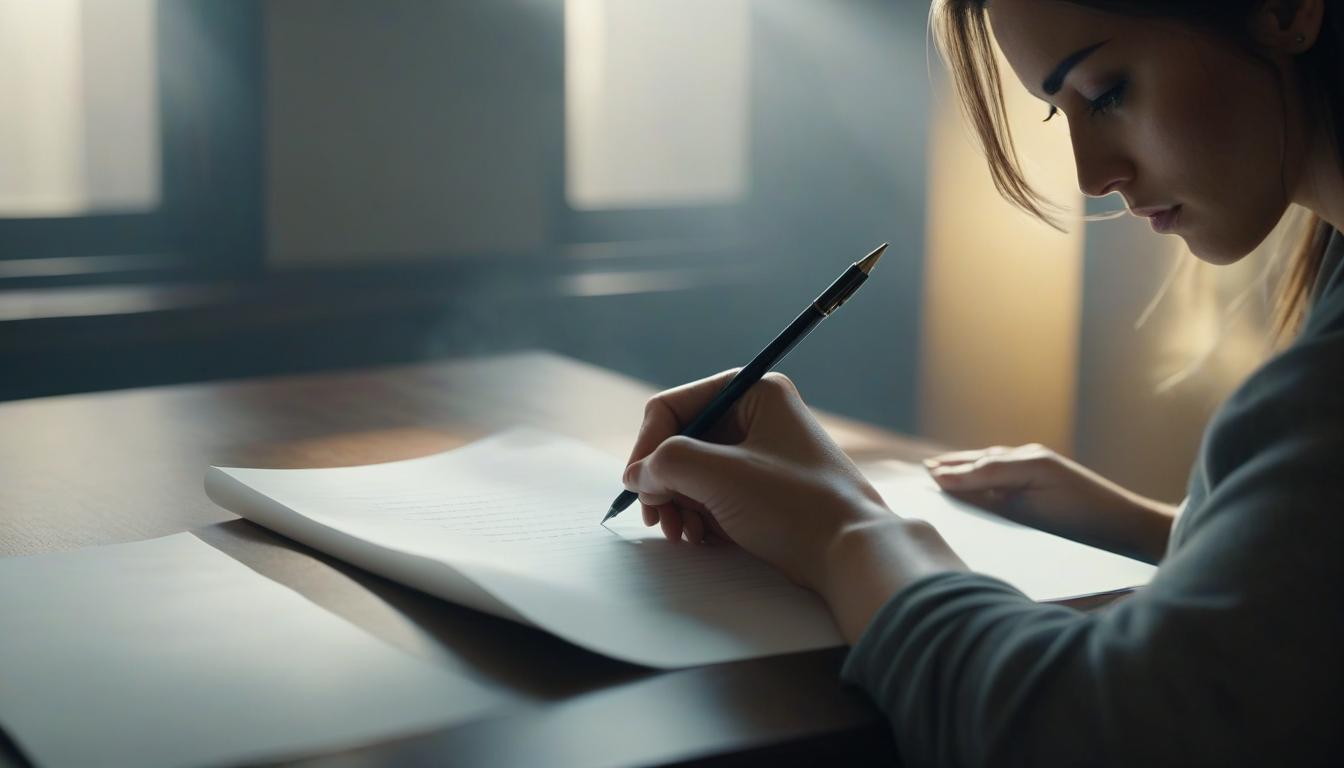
[[78, 85], [655, 102]]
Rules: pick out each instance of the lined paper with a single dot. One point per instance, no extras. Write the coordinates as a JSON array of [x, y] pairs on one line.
[[516, 518], [509, 525]]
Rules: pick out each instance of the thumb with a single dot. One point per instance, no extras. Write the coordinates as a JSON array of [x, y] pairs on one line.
[[692, 468]]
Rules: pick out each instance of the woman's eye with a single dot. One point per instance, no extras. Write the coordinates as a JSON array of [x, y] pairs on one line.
[[1108, 100]]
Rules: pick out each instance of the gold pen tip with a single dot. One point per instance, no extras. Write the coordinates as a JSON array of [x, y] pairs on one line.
[[868, 262]]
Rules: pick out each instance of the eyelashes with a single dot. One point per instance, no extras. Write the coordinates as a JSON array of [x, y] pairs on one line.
[[1101, 105], [1109, 100]]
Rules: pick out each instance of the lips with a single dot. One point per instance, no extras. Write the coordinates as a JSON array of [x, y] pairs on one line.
[[1163, 219]]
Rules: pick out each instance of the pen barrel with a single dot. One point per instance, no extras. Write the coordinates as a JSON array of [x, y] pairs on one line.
[[839, 291], [754, 370], [829, 301], [739, 384]]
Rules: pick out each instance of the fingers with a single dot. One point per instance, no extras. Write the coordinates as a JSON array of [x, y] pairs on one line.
[[692, 475], [664, 465], [704, 528], [770, 409], [666, 413], [963, 457], [698, 526], [681, 465], [694, 526], [1001, 472], [669, 518], [672, 524], [654, 500]]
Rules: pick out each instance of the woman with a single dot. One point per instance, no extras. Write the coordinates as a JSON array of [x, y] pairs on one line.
[[1211, 118]]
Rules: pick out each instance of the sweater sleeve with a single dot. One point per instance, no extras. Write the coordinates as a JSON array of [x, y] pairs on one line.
[[1231, 655]]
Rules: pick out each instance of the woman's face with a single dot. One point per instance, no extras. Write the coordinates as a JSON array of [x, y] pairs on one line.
[[1174, 119]]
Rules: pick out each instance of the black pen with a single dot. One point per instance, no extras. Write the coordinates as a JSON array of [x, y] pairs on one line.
[[830, 300]]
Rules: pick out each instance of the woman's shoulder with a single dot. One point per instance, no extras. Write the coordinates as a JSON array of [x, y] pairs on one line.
[[1278, 437], [1327, 303], [1292, 406], [1306, 378]]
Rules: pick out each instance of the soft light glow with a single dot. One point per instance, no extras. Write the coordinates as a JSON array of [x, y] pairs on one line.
[[1002, 290], [656, 102], [1211, 323], [80, 97]]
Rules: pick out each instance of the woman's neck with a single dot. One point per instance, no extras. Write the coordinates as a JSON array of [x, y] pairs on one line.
[[1321, 185]]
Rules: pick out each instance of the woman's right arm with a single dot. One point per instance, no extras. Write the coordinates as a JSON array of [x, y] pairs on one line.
[[1037, 487]]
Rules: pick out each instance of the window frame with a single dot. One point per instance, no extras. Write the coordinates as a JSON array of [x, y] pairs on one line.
[[705, 225], [209, 218]]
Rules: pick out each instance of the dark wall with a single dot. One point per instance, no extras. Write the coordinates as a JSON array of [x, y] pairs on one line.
[[838, 131], [411, 180]]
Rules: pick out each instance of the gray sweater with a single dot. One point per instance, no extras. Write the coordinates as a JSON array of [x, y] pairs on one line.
[[1233, 654]]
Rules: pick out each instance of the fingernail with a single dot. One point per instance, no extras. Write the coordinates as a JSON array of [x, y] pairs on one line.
[[944, 475], [931, 463], [628, 477]]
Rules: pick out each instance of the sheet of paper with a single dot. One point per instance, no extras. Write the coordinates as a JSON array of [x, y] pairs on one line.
[[517, 515], [1044, 566], [168, 653], [509, 525]]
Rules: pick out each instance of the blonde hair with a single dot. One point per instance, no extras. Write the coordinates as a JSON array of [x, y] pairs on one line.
[[961, 32]]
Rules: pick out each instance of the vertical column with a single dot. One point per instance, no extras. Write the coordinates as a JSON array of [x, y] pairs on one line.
[[999, 348]]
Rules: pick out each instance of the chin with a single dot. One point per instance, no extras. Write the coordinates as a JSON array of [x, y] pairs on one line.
[[1218, 257], [1219, 251]]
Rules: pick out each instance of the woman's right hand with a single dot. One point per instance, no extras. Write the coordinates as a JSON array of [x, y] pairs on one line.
[[1035, 486], [769, 479]]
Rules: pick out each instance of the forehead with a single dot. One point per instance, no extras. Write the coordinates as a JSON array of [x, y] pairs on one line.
[[1035, 35]]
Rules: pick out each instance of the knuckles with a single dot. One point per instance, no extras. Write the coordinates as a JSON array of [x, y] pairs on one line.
[[779, 386], [1032, 455], [1039, 455], [1038, 452], [673, 450], [653, 405]]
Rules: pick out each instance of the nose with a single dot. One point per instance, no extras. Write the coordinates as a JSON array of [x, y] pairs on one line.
[[1102, 167]]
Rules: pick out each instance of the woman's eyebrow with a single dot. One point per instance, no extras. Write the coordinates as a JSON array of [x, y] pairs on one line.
[[1055, 80]]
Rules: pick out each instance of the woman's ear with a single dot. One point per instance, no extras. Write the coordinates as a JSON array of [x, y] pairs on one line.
[[1288, 26]]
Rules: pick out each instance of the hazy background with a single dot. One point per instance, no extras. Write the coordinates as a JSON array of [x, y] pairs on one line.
[[203, 189]]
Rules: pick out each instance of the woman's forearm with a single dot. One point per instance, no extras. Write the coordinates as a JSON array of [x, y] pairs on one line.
[[1125, 522], [1151, 528], [868, 563]]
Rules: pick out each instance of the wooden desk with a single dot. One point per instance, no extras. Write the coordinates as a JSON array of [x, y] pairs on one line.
[[83, 470]]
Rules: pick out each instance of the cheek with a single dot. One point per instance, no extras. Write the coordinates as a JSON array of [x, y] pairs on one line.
[[1217, 151]]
